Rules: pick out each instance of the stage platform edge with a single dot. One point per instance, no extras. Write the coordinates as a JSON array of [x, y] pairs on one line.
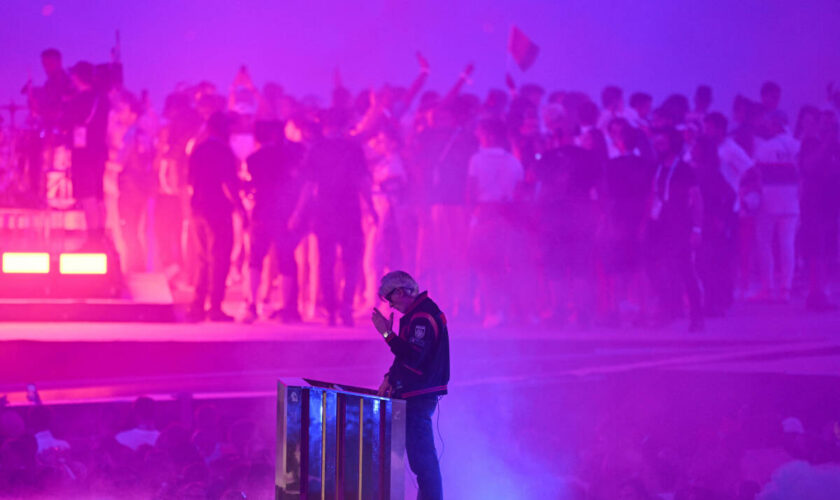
[[147, 298]]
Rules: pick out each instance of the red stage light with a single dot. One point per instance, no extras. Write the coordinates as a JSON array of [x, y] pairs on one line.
[[83, 263], [26, 263]]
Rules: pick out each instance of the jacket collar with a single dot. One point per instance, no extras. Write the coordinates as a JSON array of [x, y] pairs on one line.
[[420, 298]]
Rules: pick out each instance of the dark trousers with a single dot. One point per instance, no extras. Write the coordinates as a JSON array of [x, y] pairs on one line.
[[420, 446], [351, 246], [673, 275], [214, 242], [716, 263]]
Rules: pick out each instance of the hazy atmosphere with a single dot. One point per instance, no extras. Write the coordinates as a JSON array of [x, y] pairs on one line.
[[509, 249]]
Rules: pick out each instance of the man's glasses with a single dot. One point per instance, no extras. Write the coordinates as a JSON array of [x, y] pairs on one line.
[[389, 295]]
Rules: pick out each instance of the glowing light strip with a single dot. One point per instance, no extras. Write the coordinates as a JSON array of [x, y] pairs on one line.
[[26, 262], [324, 446], [361, 441], [83, 263]]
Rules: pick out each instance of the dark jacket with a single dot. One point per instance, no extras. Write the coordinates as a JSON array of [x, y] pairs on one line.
[[421, 350], [212, 164]]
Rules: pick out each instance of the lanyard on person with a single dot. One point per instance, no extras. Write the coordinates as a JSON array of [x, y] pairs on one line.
[[666, 194], [444, 153], [80, 132], [92, 111]]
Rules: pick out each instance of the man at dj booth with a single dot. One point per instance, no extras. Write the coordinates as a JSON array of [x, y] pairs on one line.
[[419, 373]]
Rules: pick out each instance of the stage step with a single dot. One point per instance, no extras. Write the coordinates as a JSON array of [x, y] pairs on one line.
[[147, 298]]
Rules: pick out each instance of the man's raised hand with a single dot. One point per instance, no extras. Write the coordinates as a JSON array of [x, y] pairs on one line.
[[380, 322]]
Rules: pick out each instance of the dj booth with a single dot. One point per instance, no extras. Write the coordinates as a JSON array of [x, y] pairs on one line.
[[338, 442]]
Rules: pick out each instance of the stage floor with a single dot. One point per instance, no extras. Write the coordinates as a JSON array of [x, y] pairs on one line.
[[525, 405], [73, 362]]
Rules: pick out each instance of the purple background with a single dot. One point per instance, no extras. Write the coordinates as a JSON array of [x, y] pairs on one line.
[[658, 46]]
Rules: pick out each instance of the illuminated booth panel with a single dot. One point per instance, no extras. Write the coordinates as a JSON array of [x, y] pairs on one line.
[[338, 442]]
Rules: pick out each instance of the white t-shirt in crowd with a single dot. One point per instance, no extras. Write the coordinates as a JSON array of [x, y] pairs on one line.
[[777, 161], [497, 173], [46, 441], [385, 168], [734, 163], [135, 438], [782, 148]]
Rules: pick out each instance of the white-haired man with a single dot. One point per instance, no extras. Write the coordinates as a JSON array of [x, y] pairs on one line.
[[419, 373]]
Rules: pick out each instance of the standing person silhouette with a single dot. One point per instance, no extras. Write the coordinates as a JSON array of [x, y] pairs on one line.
[[419, 373], [212, 175]]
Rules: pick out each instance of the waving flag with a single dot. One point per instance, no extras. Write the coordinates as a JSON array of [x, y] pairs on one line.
[[522, 48]]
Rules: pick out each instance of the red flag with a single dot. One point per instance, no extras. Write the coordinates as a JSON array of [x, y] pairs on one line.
[[523, 50]]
